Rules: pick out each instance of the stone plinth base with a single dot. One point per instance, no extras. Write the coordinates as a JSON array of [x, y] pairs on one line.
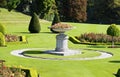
[[67, 53]]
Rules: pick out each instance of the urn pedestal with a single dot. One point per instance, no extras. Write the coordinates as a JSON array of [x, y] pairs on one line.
[[62, 44]]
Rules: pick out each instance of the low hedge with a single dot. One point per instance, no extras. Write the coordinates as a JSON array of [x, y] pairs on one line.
[[74, 40], [30, 72], [2, 40], [23, 39]]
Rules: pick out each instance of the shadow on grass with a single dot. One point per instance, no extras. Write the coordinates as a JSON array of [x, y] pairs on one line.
[[34, 52], [22, 32], [49, 33], [115, 61], [36, 33]]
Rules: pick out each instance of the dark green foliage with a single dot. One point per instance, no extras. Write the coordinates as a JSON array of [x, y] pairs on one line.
[[55, 21], [34, 26], [113, 30], [107, 11], [2, 39], [2, 29], [43, 7], [12, 4], [3, 3], [118, 73]]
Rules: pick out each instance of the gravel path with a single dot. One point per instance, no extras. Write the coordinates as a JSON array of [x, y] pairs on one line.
[[102, 56]]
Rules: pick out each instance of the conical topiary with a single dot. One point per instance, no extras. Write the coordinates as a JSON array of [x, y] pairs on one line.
[[34, 26], [55, 21]]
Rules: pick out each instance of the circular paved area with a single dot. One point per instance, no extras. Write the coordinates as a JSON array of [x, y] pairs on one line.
[[103, 55]]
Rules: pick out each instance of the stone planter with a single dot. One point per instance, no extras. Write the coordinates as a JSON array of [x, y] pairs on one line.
[[62, 41]]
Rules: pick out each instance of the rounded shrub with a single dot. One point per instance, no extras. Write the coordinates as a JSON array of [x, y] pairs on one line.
[[2, 29], [2, 39], [55, 21], [113, 30], [34, 26]]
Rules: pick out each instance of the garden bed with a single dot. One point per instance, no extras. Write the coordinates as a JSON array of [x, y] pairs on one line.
[[94, 39], [15, 38], [6, 71]]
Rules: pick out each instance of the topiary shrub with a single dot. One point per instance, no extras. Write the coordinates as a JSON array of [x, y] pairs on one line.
[[2, 29], [118, 73], [34, 26], [23, 39], [55, 21], [2, 39], [113, 31], [74, 40]]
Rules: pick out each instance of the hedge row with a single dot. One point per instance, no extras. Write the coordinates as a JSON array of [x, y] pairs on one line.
[[97, 38], [15, 38], [2, 39]]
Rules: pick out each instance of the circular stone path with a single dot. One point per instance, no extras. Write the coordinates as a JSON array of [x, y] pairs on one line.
[[103, 55]]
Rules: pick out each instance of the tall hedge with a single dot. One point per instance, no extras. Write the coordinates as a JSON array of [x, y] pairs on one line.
[[2, 28], [34, 26], [2, 39]]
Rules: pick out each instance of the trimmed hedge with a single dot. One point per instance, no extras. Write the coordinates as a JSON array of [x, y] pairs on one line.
[[94, 39], [2, 39], [74, 40], [2, 29], [30, 72], [23, 38]]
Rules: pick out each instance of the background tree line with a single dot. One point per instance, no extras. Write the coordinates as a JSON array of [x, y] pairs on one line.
[[93, 11]]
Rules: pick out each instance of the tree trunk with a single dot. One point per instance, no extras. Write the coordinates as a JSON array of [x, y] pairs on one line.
[[112, 41]]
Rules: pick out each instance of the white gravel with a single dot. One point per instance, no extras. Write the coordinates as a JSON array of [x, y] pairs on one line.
[[102, 56]]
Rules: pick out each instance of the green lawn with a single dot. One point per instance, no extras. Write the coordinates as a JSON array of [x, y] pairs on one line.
[[38, 53], [17, 23]]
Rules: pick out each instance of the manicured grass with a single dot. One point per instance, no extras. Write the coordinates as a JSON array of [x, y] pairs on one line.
[[46, 39], [38, 53]]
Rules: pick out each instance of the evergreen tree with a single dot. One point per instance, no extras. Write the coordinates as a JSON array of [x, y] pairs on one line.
[[34, 26], [55, 21]]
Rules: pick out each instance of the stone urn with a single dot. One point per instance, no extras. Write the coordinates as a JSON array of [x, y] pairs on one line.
[[62, 40]]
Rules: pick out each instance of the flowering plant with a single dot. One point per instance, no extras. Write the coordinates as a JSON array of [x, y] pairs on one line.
[[61, 26], [11, 71]]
